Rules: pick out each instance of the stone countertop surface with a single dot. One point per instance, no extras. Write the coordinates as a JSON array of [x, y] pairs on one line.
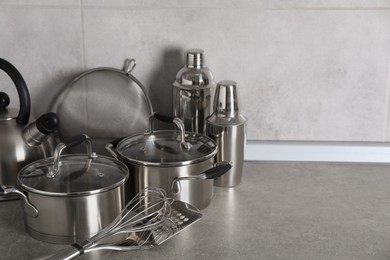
[[281, 210]]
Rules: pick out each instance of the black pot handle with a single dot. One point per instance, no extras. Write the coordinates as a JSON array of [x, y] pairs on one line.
[[24, 96], [163, 118], [75, 140], [218, 170]]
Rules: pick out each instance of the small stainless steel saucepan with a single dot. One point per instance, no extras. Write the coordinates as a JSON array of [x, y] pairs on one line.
[[68, 198]]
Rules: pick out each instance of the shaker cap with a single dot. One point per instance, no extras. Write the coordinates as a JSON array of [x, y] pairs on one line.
[[195, 58], [226, 111]]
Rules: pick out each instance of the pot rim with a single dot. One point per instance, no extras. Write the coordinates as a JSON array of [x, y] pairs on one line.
[[49, 161]]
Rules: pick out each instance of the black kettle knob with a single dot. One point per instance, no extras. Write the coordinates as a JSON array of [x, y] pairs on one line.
[[4, 100], [48, 123]]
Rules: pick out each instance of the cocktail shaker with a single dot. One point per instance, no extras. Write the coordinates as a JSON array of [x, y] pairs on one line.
[[193, 92], [227, 127]]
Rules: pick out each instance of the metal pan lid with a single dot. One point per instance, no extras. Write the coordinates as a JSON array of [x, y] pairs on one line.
[[167, 147], [102, 97], [72, 175]]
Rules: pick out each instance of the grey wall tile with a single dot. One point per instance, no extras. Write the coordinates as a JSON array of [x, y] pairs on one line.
[[45, 45], [223, 4], [40, 2], [303, 75]]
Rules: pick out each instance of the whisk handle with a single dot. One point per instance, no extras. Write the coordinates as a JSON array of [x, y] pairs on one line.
[[68, 253]]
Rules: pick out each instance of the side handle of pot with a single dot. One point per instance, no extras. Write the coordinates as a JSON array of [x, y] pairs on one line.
[[218, 170], [28, 208]]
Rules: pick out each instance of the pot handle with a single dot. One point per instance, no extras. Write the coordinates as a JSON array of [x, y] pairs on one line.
[[111, 147], [177, 121], [218, 170], [28, 208], [24, 95], [70, 142]]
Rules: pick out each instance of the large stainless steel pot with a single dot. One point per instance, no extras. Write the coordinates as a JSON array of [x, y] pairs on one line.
[[69, 198], [179, 162]]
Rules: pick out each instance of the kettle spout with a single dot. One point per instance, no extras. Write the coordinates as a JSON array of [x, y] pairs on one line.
[[37, 132]]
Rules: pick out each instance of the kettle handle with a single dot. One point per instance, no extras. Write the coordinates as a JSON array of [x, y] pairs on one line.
[[24, 96]]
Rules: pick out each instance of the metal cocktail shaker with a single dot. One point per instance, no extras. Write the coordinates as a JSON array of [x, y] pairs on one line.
[[226, 126], [193, 92]]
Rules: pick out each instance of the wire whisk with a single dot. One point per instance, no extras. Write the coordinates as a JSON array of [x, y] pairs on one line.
[[148, 220]]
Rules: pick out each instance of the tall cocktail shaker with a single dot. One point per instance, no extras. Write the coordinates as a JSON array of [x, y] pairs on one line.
[[227, 127], [193, 92]]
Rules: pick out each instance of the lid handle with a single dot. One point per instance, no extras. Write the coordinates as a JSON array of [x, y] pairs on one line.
[[4, 100], [70, 142], [177, 121], [24, 95]]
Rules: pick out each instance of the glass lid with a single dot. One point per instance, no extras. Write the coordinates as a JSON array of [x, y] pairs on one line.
[[166, 148], [73, 175], [77, 175]]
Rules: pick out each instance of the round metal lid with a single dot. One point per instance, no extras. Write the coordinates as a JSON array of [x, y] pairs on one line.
[[104, 103], [77, 175], [164, 148]]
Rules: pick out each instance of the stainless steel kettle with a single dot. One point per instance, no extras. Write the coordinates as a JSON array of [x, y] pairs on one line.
[[20, 142]]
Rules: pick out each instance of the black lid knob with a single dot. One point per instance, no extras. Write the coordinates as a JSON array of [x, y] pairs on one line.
[[4, 100], [48, 123]]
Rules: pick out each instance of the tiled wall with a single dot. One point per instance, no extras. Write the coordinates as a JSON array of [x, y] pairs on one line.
[[307, 70]]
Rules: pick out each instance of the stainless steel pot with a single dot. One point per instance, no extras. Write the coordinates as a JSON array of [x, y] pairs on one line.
[[69, 198], [176, 161]]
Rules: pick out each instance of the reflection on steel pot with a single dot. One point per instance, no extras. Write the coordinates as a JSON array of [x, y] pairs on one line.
[[69, 198], [22, 143], [172, 160]]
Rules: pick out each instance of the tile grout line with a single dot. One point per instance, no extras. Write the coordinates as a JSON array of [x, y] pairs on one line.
[[387, 112], [83, 58], [82, 35]]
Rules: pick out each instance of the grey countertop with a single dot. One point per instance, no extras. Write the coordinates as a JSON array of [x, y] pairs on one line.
[[280, 211]]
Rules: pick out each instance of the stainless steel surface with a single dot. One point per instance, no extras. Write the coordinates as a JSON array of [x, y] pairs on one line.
[[32, 136], [148, 220], [165, 147], [20, 143], [211, 173], [157, 159], [15, 153], [226, 126], [193, 92], [180, 125], [57, 155], [28, 208], [84, 195], [104, 103], [65, 220]]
